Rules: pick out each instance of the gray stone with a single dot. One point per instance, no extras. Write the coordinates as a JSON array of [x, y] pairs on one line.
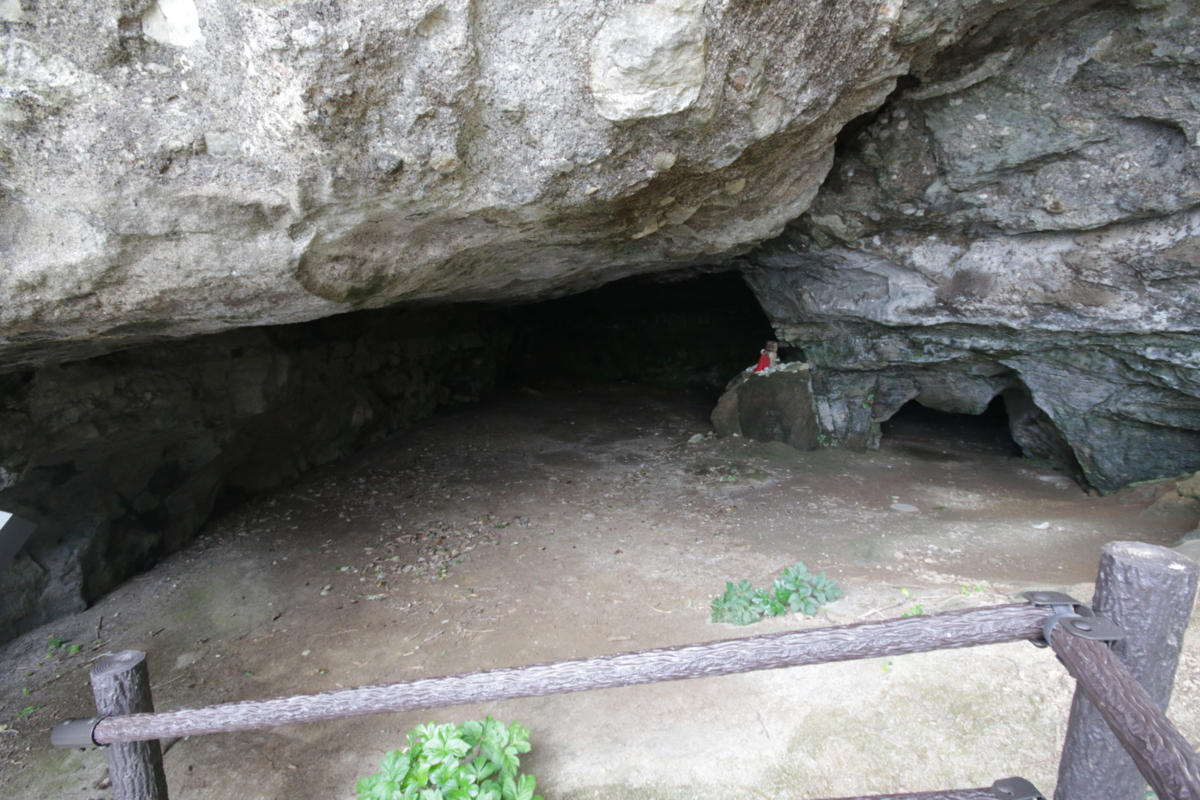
[[14, 532], [1190, 548], [725, 417], [222, 145], [11, 11], [775, 407]]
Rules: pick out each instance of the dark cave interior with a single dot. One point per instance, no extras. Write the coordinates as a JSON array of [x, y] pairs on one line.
[[983, 433], [160, 448], [694, 333]]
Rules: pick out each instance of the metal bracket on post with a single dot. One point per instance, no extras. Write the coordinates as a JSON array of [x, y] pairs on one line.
[[1016, 789], [75, 733], [1075, 617]]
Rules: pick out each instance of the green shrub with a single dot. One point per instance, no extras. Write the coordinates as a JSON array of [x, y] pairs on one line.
[[474, 761], [795, 590]]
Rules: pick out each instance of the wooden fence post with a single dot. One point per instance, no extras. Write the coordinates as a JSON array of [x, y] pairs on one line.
[[1165, 759], [1149, 592], [121, 685]]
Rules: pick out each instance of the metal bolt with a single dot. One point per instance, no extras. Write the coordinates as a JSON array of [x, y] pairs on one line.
[[1082, 624]]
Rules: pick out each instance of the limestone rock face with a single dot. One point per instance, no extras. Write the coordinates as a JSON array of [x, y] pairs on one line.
[[177, 167], [1022, 221]]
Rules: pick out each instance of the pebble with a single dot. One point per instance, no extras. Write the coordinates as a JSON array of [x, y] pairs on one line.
[[1041, 526], [904, 508], [589, 516]]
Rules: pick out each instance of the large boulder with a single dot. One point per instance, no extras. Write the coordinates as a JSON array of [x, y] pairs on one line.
[[772, 406], [174, 167]]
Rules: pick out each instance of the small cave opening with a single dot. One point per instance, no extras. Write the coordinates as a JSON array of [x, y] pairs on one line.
[[693, 333], [921, 430]]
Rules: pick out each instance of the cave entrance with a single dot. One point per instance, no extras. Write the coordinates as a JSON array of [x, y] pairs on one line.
[[693, 333], [927, 432]]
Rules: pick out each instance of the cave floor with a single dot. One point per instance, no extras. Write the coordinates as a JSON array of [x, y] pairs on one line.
[[580, 521]]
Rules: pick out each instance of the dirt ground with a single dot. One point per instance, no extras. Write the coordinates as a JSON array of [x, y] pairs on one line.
[[580, 521]]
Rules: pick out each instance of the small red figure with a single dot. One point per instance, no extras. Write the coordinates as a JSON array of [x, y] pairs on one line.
[[769, 357]]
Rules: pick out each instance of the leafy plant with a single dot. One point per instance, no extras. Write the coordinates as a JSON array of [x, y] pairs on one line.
[[741, 604], [474, 761], [805, 593], [796, 590], [915, 610]]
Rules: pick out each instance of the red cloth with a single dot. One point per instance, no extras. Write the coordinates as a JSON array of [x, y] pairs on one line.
[[764, 361]]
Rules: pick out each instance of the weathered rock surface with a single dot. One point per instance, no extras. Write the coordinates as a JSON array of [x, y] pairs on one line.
[[1024, 223], [177, 167]]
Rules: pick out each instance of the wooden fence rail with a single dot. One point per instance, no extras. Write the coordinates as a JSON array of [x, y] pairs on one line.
[[1161, 754], [967, 628]]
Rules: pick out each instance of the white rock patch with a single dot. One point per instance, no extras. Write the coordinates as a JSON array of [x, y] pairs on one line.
[[174, 22], [11, 11], [648, 60]]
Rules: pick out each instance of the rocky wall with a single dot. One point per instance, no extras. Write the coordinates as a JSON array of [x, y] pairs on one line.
[[1020, 220], [120, 459], [177, 167]]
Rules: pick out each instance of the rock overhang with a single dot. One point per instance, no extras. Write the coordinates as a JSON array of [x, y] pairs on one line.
[[187, 167]]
